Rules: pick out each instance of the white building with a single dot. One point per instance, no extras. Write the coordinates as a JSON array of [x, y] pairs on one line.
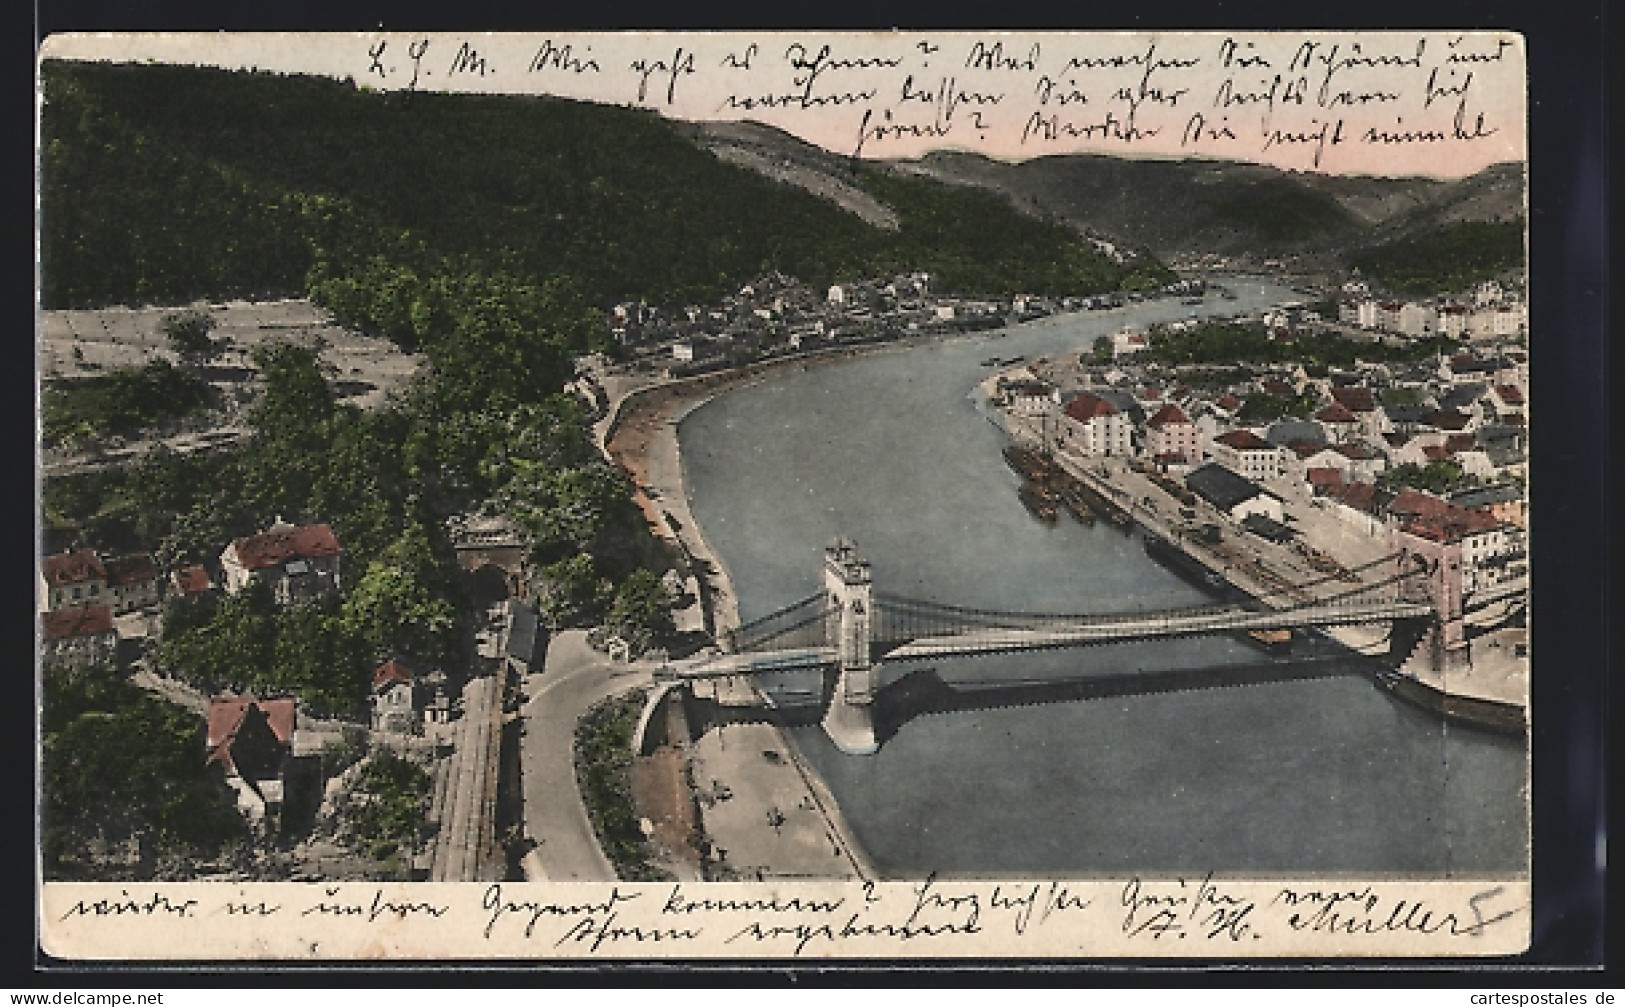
[[1092, 426], [1170, 433], [1245, 452]]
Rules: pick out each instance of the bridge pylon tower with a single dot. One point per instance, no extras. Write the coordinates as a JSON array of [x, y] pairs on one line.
[[849, 588]]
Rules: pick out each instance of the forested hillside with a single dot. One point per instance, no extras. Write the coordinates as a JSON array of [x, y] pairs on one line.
[[164, 184]]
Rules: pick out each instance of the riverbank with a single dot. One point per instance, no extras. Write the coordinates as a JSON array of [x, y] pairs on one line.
[[763, 810], [1492, 692]]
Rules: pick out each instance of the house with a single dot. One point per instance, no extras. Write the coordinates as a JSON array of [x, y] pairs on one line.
[[1452, 421], [298, 563], [1453, 320], [1249, 454], [132, 582], [1503, 501], [190, 581], [252, 740], [1362, 463], [1290, 433], [72, 579], [1487, 546], [394, 706], [1231, 494], [1127, 342], [1170, 434], [1321, 479], [1090, 425], [1032, 398], [1341, 425], [1363, 404], [1359, 505], [78, 637], [1417, 320], [1507, 401]]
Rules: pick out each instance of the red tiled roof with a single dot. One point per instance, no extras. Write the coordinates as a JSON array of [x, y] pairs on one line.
[[1336, 413], [1417, 504], [1355, 400], [1509, 394], [1169, 413], [1087, 406], [1355, 452], [1360, 496], [1325, 477], [86, 620], [1436, 453], [1451, 526], [1228, 401], [1447, 419], [192, 579], [1304, 449], [136, 568], [391, 671], [1243, 440], [226, 715], [1460, 442], [68, 568], [271, 548], [1150, 392], [1275, 386]]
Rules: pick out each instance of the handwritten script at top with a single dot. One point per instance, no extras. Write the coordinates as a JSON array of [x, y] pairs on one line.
[[1302, 100]]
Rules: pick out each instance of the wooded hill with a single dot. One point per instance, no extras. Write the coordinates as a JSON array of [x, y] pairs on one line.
[[166, 183]]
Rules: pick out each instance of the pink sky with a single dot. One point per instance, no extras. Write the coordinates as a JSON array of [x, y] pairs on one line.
[[1443, 104]]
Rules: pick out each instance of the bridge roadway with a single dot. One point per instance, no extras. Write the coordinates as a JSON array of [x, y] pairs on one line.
[[1097, 630]]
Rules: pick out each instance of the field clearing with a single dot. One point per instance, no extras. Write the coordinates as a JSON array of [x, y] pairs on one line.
[[365, 368]]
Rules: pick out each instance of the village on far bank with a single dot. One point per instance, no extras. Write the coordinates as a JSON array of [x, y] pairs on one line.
[[1421, 435]]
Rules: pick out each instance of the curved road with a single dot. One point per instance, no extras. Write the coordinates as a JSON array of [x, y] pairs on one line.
[[574, 678]]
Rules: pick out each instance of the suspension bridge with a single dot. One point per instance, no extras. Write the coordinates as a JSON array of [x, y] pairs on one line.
[[853, 629]]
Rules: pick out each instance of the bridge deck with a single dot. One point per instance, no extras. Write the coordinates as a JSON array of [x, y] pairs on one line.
[[721, 666], [1151, 625]]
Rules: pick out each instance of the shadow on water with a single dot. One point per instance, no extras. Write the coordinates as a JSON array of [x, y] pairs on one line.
[[925, 692]]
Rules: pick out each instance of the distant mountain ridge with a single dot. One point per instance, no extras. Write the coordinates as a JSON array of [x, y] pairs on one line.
[[1173, 208]]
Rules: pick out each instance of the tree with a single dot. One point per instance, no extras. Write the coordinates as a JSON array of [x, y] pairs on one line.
[[571, 592], [402, 604], [641, 611], [119, 767], [188, 334]]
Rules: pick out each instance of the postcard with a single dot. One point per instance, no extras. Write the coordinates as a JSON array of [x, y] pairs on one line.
[[784, 495]]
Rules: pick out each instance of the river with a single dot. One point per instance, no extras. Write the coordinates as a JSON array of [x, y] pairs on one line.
[[1325, 774]]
